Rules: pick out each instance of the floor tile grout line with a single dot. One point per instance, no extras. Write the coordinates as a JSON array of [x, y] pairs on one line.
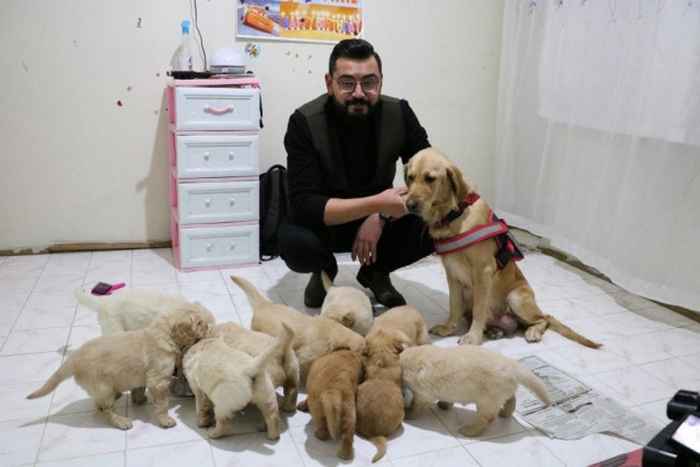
[[230, 297], [471, 456]]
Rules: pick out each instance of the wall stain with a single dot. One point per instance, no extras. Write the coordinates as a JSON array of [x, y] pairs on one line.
[[119, 103], [25, 67], [138, 23]]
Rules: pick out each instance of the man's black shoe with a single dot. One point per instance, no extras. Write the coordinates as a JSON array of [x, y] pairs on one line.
[[380, 285], [314, 292]]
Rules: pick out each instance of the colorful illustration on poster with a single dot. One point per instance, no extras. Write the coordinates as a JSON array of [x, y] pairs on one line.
[[299, 20]]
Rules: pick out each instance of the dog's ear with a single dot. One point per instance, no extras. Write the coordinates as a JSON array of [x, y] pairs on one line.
[[348, 320], [400, 346], [457, 183], [405, 172], [183, 333]]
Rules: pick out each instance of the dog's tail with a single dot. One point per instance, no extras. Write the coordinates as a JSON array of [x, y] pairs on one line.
[[332, 401], [380, 443], [327, 282], [254, 296], [281, 343], [564, 330], [62, 374], [531, 381], [87, 299]]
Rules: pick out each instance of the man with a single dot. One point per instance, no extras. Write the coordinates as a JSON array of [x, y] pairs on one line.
[[342, 149]]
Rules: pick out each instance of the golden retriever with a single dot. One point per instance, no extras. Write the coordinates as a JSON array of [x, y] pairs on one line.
[[225, 380], [332, 389], [284, 366], [404, 323], [347, 305], [106, 366], [466, 374], [435, 188], [380, 403], [314, 336]]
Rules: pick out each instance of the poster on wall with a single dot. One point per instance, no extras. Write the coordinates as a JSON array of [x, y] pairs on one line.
[[299, 20]]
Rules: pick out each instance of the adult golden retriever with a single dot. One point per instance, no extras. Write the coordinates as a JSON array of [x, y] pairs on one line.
[[435, 188]]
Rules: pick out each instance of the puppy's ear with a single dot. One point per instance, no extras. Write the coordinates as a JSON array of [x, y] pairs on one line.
[[183, 333], [348, 320], [401, 342], [400, 346], [405, 172], [457, 183]]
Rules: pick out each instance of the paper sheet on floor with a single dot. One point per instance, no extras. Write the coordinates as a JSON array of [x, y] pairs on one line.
[[577, 410]]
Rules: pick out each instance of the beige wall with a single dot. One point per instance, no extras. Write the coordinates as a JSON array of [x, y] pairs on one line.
[[76, 167]]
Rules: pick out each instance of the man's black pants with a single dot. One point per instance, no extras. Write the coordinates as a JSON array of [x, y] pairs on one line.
[[403, 241]]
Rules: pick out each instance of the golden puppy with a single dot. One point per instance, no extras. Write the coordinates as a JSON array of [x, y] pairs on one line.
[[380, 404], [225, 380], [466, 374], [404, 323], [283, 368], [314, 336], [348, 306], [109, 365], [332, 388], [438, 193]]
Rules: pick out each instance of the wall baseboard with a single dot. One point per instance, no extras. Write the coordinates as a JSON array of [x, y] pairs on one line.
[[77, 247]]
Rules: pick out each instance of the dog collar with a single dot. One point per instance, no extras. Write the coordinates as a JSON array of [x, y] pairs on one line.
[[455, 213]]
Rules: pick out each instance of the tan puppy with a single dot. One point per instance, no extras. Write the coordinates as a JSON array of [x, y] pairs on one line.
[[314, 336], [109, 365], [466, 374], [404, 323], [380, 404], [435, 188], [225, 380], [283, 368], [348, 306], [332, 388]]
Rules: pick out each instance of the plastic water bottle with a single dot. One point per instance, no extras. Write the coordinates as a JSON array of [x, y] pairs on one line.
[[183, 60]]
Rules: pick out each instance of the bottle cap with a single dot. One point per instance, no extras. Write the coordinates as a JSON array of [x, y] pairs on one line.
[[186, 26]]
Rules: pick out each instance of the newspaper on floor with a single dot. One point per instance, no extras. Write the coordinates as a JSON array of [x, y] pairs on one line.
[[577, 410]]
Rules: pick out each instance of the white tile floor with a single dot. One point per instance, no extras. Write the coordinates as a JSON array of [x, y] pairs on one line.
[[649, 353]]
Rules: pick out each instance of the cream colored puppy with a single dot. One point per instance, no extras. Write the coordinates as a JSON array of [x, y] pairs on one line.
[[348, 306], [466, 374], [225, 380], [404, 323], [283, 368], [109, 365], [129, 309], [314, 336]]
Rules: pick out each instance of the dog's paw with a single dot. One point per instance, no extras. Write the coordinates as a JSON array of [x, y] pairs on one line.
[[443, 330], [166, 421], [471, 431], [205, 421], [533, 334], [494, 333], [469, 339]]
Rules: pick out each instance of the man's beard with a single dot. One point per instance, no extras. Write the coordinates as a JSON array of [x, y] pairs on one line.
[[345, 109]]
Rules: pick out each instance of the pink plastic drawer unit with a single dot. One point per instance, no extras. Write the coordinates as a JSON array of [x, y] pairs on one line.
[[214, 129]]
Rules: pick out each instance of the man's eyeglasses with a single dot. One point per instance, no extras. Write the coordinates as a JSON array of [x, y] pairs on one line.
[[368, 84]]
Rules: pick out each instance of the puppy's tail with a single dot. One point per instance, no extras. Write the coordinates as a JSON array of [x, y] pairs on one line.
[[380, 443], [254, 296], [564, 330], [87, 299], [528, 379], [332, 401], [327, 282], [63, 373], [281, 343]]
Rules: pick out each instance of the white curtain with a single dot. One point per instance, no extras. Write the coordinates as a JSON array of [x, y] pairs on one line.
[[598, 136]]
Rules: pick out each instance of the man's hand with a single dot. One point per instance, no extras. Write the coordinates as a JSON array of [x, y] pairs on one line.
[[392, 202], [365, 246]]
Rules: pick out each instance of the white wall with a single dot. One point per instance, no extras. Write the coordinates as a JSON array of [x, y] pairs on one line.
[[76, 167]]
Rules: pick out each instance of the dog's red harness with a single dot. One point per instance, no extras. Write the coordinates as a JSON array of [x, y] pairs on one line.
[[496, 228]]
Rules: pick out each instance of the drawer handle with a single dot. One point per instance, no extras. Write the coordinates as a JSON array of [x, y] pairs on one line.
[[220, 111], [207, 202], [230, 156], [206, 156], [232, 202], [232, 247], [209, 247]]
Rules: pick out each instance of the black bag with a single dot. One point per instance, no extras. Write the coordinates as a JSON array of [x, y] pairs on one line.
[[274, 208]]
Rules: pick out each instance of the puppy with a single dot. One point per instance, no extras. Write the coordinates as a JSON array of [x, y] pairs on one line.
[[109, 365], [332, 388], [380, 404], [314, 336], [439, 194], [348, 306], [404, 323], [283, 368], [129, 309], [466, 374], [225, 380]]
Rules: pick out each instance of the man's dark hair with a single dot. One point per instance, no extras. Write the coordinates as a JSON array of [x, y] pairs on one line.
[[355, 49]]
